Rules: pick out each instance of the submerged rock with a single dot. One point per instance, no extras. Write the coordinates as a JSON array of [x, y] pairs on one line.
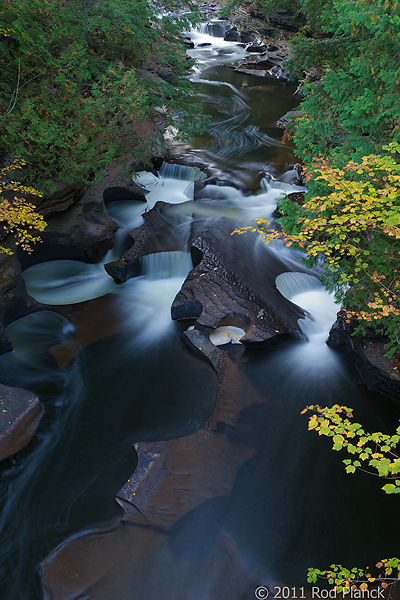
[[19, 417]]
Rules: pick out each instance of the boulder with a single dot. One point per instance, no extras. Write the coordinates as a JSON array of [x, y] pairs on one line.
[[232, 35], [19, 417]]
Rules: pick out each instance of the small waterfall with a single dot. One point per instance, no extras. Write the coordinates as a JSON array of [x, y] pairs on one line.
[[174, 184], [176, 171], [292, 284], [164, 265], [152, 295], [308, 292], [213, 28]]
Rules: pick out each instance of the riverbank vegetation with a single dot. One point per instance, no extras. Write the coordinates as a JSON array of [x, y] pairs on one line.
[[85, 82], [347, 136]]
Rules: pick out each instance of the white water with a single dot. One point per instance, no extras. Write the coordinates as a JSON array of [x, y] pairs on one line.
[[174, 183], [60, 282], [217, 52], [149, 298], [308, 292]]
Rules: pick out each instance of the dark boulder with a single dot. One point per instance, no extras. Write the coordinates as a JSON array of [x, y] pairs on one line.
[[256, 48], [14, 299], [232, 35], [247, 37], [19, 417]]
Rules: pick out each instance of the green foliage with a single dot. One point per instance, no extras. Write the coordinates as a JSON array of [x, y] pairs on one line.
[[374, 453], [84, 82], [352, 109]]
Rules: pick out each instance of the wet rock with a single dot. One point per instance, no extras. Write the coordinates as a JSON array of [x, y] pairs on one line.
[[20, 412], [256, 48], [62, 198], [232, 281], [232, 35], [204, 44], [247, 37], [133, 192], [83, 232], [366, 354], [14, 299]]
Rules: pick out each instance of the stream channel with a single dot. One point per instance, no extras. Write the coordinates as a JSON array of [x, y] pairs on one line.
[[233, 496]]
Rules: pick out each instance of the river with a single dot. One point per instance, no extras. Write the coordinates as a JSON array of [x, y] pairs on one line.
[[231, 498]]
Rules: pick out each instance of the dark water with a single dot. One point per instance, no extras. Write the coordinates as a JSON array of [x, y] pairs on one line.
[[291, 505]]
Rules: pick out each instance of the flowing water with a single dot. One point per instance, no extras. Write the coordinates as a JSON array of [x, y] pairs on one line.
[[111, 370]]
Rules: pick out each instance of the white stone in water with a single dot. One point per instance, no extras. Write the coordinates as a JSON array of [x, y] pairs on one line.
[[226, 334]]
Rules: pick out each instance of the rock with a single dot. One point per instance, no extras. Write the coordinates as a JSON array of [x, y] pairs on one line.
[[232, 35], [84, 231], [61, 199], [134, 192], [14, 299], [272, 48], [366, 354], [20, 412], [222, 287], [247, 37], [204, 44], [256, 48]]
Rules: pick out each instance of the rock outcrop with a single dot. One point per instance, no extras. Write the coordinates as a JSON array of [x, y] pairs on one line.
[[14, 299], [376, 371]]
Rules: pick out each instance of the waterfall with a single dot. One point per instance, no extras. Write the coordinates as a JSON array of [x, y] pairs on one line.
[[213, 28], [309, 293], [176, 171], [164, 265]]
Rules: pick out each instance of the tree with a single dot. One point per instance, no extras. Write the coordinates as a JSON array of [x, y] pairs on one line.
[[352, 108], [84, 82]]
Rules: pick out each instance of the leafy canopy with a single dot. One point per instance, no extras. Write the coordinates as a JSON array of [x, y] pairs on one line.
[[82, 81]]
